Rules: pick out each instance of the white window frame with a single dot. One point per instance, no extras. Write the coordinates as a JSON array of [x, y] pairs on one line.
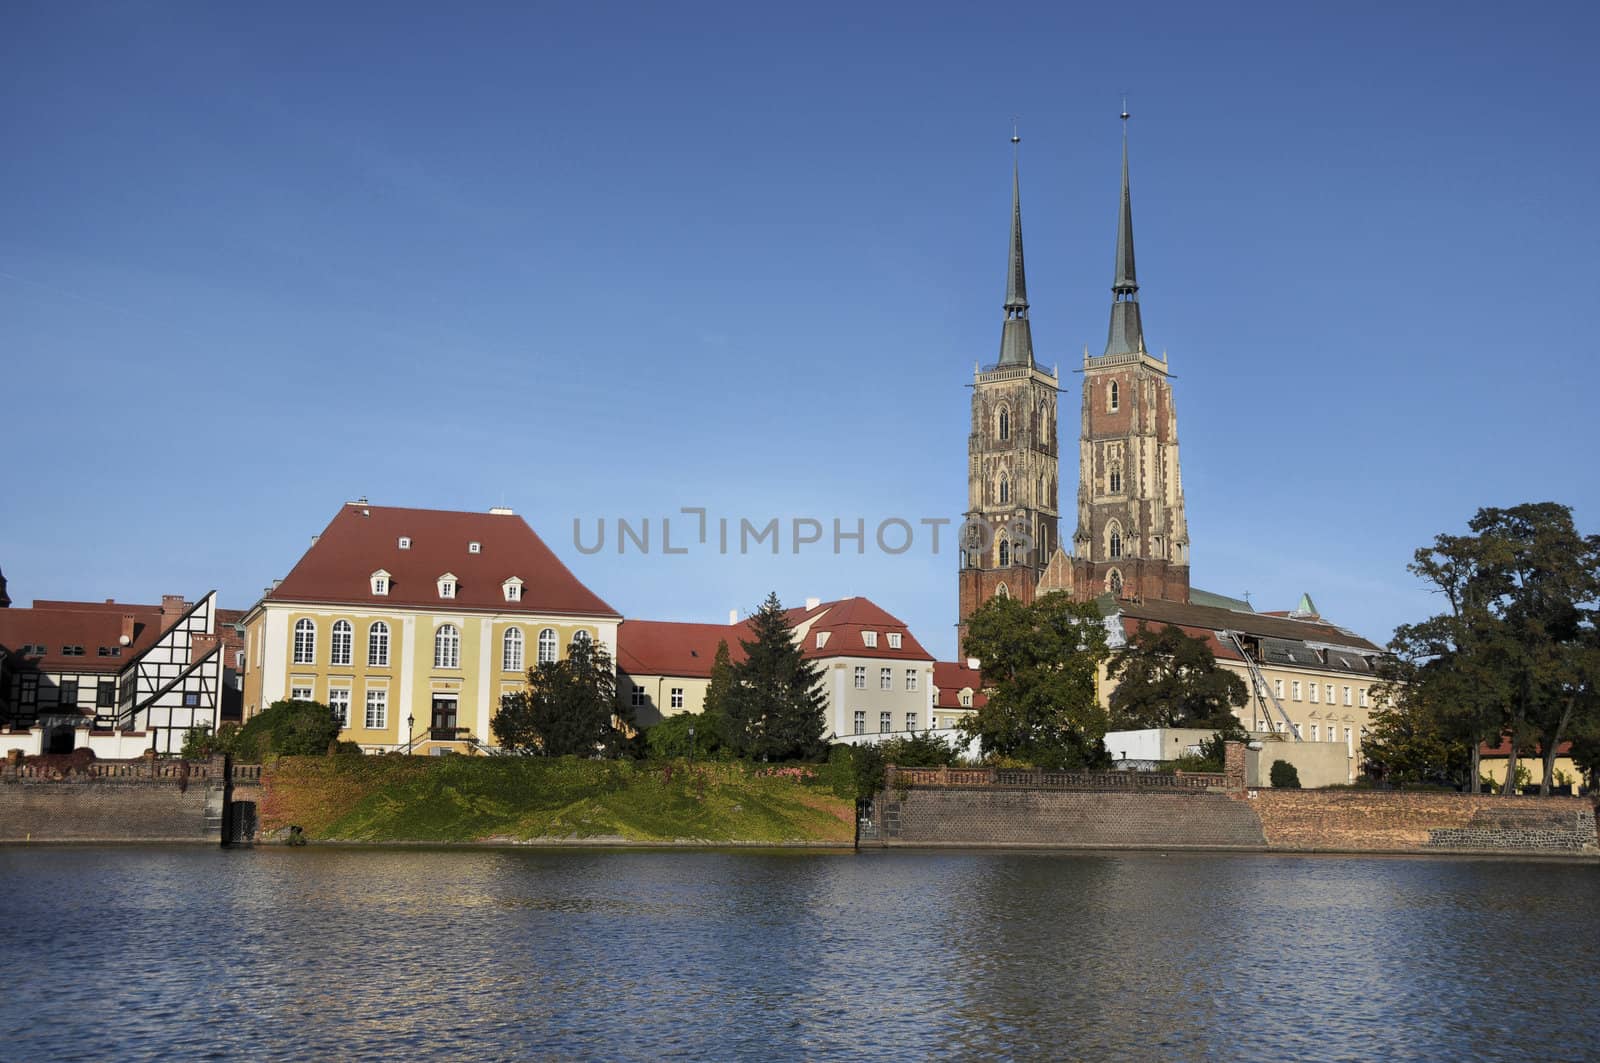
[[965, 698], [378, 644], [1315, 689], [447, 586], [861, 677], [339, 702], [911, 679], [1295, 687], [894, 640], [549, 646], [885, 678], [511, 650], [380, 583], [341, 644], [305, 641], [885, 722], [911, 721], [675, 697], [861, 722], [869, 639], [636, 699], [377, 714], [302, 693], [1277, 689], [447, 646], [1347, 699], [405, 542]]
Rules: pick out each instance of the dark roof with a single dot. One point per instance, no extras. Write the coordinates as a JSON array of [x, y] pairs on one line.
[[1260, 625], [56, 625], [362, 539]]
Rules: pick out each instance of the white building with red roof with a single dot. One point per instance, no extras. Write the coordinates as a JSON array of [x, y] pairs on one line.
[[876, 676], [412, 623]]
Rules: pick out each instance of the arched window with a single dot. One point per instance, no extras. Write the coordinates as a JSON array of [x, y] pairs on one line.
[[305, 641], [582, 636], [447, 647], [378, 645], [1114, 582], [1113, 396], [339, 647], [1005, 489], [1044, 541], [1005, 423], [1005, 553], [1002, 591], [1116, 543], [547, 646], [511, 650], [1115, 480]]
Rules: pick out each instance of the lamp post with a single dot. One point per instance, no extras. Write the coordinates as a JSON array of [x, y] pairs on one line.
[[691, 746], [411, 730]]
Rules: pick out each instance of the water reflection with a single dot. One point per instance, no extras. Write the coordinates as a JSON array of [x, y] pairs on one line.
[[317, 954]]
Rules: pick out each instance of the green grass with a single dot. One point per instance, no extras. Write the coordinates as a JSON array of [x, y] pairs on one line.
[[468, 799]]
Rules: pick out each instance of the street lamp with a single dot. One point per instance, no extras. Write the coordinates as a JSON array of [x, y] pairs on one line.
[[411, 730], [691, 746]]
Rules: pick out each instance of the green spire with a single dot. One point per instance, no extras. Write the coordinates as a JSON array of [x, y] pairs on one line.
[[1126, 335], [1016, 336]]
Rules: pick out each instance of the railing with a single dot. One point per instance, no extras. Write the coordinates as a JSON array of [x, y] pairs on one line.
[[1021, 779], [139, 768]]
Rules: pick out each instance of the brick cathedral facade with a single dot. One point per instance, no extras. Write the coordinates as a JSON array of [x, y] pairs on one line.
[[1131, 538]]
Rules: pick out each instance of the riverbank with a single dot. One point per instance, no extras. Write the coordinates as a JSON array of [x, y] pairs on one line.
[[565, 801]]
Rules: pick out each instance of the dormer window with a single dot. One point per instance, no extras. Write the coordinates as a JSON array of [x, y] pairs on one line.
[[405, 542], [380, 583], [869, 639], [822, 639], [894, 640], [447, 585], [513, 589], [474, 548]]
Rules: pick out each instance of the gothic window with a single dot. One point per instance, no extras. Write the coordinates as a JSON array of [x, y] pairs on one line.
[[1116, 542], [1005, 553], [1044, 541], [305, 641], [1005, 489], [447, 647], [1002, 591], [1114, 581], [1116, 480], [1113, 397], [1005, 423]]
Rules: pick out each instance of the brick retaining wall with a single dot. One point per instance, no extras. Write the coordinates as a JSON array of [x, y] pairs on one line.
[[1378, 821], [140, 800]]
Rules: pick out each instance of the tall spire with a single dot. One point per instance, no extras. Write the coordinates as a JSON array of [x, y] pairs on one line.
[[1126, 335], [1016, 336]]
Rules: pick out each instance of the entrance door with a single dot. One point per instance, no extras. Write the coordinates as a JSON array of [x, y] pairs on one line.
[[444, 719]]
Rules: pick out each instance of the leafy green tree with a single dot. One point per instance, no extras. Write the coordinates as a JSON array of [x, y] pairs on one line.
[[920, 750], [1166, 678], [670, 737], [722, 678], [569, 707], [1284, 776], [1039, 667], [775, 702], [1413, 739], [288, 728], [1514, 653]]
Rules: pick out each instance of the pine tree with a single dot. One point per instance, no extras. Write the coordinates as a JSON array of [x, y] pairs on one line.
[[721, 681], [775, 702]]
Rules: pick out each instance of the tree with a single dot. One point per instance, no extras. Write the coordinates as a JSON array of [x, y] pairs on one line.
[[1413, 740], [670, 737], [774, 703], [1514, 654], [722, 677], [1039, 668], [288, 728], [569, 707], [1166, 678], [1284, 776]]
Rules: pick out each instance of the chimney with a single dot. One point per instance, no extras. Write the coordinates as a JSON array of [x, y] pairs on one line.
[[200, 645], [733, 617], [501, 511], [172, 607], [127, 630], [812, 603], [314, 539]]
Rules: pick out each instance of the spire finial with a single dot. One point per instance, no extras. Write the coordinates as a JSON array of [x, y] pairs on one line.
[[1127, 333]]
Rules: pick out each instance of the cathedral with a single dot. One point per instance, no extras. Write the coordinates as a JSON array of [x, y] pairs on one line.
[[1131, 540]]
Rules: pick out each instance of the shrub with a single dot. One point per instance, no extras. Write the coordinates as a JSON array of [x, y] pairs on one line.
[[289, 729], [670, 737], [1284, 776]]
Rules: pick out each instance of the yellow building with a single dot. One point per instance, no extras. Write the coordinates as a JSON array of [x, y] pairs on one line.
[[412, 623]]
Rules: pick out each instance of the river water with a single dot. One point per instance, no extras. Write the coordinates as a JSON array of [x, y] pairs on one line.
[[333, 954]]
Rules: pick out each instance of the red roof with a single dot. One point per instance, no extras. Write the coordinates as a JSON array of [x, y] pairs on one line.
[[1531, 750], [951, 677], [91, 625], [362, 539], [847, 621], [663, 647]]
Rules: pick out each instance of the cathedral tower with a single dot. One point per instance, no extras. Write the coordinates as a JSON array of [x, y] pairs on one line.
[[1012, 459], [1132, 538]]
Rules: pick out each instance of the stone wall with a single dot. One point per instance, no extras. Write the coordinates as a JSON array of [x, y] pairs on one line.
[[1062, 818], [142, 800], [1389, 821]]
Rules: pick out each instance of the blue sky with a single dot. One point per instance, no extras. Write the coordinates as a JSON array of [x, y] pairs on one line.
[[607, 260]]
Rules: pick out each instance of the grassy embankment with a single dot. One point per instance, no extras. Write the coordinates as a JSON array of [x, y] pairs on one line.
[[529, 799]]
